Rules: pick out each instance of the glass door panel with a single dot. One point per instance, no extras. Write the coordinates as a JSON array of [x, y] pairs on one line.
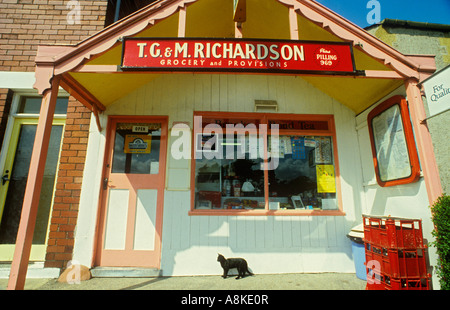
[[16, 174]]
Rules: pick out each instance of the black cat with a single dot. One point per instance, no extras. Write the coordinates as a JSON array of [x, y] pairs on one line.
[[228, 263]]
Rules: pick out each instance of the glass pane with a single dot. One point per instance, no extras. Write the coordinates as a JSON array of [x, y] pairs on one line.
[[137, 148], [231, 180], [16, 188], [390, 143], [32, 105], [304, 177]]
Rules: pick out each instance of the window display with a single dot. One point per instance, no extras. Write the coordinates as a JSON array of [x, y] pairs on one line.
[[305, 177], [233, 182], [232, 170]]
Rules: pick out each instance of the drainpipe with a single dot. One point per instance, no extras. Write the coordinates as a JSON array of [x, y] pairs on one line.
[[116, 16]]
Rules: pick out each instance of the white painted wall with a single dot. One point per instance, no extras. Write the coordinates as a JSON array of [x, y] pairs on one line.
[[406, 201], [270, 244], [90, 194], [17, 80]]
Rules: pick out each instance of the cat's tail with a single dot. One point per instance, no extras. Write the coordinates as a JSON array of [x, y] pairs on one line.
[[250, 272]]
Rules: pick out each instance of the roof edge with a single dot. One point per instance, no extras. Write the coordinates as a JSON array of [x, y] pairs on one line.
[[410, 24], [360, 38], [65, 58]]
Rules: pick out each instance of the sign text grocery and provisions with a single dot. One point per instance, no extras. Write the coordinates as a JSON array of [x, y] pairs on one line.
[[237, 55]]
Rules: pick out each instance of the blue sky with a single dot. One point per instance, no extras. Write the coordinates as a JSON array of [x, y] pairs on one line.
[[431, 11]]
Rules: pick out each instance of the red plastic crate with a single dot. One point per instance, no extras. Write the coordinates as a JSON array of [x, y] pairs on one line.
[[387, 283], [418, 284], [375, 286], [393, 233], [375, 281], [397, 263]]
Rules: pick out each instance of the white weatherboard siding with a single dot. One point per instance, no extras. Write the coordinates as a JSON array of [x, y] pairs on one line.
[[281, 244], [270, 244]]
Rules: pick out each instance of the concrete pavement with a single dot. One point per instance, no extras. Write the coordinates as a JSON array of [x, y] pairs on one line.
[[318, 281]]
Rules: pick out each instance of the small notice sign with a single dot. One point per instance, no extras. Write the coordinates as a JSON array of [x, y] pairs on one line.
[[140, 129], [325, 179], [137, 144], [437, 90]]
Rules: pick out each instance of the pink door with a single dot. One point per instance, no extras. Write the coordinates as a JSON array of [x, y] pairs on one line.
[[132, 195]]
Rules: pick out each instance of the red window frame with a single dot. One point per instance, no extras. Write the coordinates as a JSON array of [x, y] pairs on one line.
[[409, 138], [267, 118]]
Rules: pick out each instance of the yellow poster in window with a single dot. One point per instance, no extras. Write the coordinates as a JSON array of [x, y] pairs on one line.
[[137, 144], [325, 179]]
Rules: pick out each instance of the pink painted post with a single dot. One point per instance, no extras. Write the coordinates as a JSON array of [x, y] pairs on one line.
[[293, 23], [24, 239], [182, 23], [424, 143]]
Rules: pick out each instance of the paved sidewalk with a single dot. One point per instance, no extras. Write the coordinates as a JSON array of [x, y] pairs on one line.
[[322, 281]]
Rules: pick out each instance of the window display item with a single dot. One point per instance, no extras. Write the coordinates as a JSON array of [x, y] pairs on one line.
[[297, 202], [226, 190], [248, 187], [236, 187], [213, 198]]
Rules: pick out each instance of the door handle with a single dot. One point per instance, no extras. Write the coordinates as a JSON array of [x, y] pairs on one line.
[[5, 178], [105, 184]]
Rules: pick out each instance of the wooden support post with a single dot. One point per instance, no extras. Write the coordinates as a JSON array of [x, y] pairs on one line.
[[238, 30], [97, 118], [182, 22], [293, 23], [424, 143], [27, 223]]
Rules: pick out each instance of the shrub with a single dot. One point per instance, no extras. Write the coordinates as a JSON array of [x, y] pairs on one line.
[[441, 219]]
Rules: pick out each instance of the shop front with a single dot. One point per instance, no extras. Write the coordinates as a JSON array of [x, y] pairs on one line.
[[211, 135]]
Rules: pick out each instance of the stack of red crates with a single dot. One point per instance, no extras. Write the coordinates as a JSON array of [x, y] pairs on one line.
[[395, 254]]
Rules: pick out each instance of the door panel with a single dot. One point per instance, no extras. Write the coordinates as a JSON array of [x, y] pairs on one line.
[[145, 229], [116, 222], [12, 191], [132, 196]]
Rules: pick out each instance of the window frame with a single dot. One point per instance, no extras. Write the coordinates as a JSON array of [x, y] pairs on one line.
[[14, 118], [265, 118], [409, 139]]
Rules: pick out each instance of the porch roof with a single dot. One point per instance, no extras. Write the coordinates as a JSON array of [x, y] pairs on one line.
[[89, 69]]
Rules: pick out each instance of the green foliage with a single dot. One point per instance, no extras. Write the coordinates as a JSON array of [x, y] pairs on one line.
[[441, 219]]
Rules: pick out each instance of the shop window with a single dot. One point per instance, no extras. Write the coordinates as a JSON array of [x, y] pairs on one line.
[[305, 174], [137, 148], [394, 151], [32, 105], [250, 163]]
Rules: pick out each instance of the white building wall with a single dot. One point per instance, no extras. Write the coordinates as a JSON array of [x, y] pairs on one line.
[[405, 201], [271, 244]]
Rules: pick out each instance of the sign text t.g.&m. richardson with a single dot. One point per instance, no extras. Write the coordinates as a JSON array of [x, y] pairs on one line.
[[228, 55]]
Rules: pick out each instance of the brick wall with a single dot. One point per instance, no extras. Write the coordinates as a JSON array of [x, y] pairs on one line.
[[24, 24], [68, 186], [5, 105]]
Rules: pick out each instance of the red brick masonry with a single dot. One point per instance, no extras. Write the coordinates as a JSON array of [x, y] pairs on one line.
[[25, 24], [68, 186]]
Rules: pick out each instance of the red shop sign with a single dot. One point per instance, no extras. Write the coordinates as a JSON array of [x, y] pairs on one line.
[[231, 55]]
